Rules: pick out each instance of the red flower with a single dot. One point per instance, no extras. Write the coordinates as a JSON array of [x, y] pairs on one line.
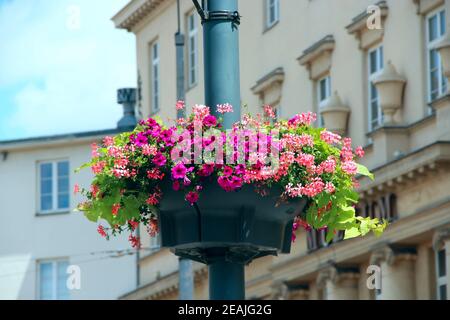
[[135, 241], [133, 224], [192, 197], [101, 231], [115, 209]]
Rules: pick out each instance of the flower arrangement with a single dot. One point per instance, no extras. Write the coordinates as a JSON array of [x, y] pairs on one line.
[[293, 155]]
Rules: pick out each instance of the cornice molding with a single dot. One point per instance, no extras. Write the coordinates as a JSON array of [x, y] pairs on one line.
[[440, 237], [134, 12]]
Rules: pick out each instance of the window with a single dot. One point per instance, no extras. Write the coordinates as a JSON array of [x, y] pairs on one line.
[[435, 30], [155, 77], [52, 280], [192, 50], [441, 273], [323, 93], [375, 65], [272, 12], [53, 186]]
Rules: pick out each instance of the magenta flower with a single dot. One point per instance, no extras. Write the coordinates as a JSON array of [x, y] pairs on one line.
[[141, 139], [179, 171], [192, 197], [227, 171], [159, 160], [209, 121], [206, 170]]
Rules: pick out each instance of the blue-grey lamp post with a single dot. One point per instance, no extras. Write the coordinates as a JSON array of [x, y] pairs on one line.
[[220, 21]]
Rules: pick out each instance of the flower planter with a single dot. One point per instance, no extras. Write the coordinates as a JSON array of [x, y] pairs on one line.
[[246, 223]]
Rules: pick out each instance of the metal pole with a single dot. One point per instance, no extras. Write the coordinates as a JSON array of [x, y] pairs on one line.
[[186, 279], [226, 279], [221, 60], [222, 85], [179, 44]]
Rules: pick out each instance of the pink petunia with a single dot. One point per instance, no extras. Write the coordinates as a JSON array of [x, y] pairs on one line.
[[159, 160], [179, 171]]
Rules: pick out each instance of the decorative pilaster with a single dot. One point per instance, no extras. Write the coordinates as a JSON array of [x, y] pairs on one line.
[[339, 283], [397, 272]]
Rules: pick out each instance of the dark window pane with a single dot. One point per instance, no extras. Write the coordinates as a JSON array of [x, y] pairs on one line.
[[432, 28], [441, 263], [63, 185], [443, 292], [434, 58], [63, 168], [46, 186], [442, 23], [46, 170], [323, 89], [373, 62], [46, 202], [381, 58], [63, 201]]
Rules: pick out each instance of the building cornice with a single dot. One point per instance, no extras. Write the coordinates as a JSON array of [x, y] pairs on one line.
[[359, 22], [325, 44], [420, 163], [134, 12], [55, 140]]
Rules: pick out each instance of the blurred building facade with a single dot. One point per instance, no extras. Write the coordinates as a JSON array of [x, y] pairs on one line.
[[48, 251], [371, 71]]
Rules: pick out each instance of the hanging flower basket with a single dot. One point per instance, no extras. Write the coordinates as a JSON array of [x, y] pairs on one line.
[[244, 190]]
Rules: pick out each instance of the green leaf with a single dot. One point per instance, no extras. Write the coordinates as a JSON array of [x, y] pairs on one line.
[[330, 235], [362, 170], [346, 215], [352, 233]]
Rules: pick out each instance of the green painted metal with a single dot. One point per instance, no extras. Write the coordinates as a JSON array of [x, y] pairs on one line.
[[226, 279], [221, 61], [222, 85]]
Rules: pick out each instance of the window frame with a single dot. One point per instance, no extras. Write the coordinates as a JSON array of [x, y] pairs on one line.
[[430, 48], [192, 34], [321, 102], [155, 81], [54, 263], [55, 185], [276, 6], [379, 52]]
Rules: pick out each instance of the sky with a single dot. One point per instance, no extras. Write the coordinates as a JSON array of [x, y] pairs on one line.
[[61, 63]]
